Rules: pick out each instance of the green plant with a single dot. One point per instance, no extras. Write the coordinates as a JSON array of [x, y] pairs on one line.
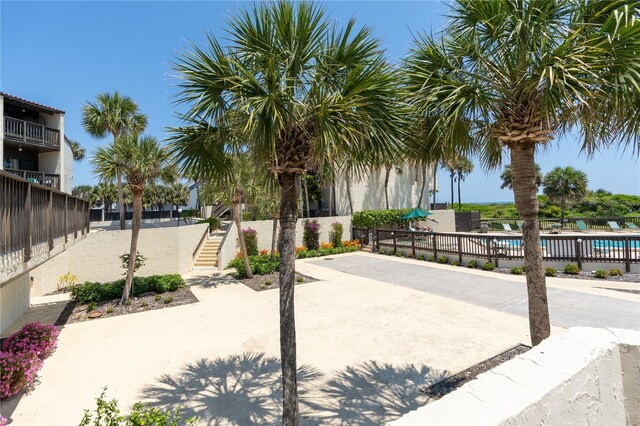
[[443, 259], [517, 270], [91, 306], [335, 235], [109, 310], [572, 269], [67, 281], [168, 300], [381, 251], [97, 292], [137, 264], [455, 263], [399, 254], [550, 272], [158, 298], [488, 266], [420, 257], [300, 279], [473, 264], [143, 304], [268, 283], [127, 302], [377, 218], [214, 223], [432, 258], [615, 272], [251, 241], [601, 274]]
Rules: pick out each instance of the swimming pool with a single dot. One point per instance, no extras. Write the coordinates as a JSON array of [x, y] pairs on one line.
[[597, 244]]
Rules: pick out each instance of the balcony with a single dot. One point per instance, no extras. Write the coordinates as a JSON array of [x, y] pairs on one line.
[[45, 179], [32, 134]]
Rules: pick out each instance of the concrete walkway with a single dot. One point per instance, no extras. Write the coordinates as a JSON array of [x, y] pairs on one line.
[[567, 308]]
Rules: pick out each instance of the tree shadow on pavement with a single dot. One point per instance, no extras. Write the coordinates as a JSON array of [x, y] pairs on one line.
[[213, 281], [246, 390]]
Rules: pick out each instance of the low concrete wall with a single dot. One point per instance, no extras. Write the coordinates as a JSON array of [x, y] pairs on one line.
[[14, 300], [264, 229], [97, 257], [584, 376]]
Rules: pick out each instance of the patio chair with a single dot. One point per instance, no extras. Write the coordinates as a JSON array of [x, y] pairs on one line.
[[581, 225], [631, 225], [614, 225], [507, 227]]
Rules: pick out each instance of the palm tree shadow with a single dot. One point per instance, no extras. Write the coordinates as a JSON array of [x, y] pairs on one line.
[[237, 390], [372, 393]]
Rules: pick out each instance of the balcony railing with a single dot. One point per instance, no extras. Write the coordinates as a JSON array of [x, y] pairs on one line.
[[45, 179], [31, 133]]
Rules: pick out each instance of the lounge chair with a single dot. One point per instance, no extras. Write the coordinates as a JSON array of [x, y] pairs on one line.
[[614, 225], [581, 225], [631, 225], [507, 227]]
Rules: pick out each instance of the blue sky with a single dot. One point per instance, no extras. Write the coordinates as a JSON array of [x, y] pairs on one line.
[[63, 53]]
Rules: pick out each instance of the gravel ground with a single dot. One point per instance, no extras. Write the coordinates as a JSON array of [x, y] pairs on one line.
[[584, 275], [271, 281]]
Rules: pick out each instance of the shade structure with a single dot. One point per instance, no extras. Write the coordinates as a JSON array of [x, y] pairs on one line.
[[416, 214]]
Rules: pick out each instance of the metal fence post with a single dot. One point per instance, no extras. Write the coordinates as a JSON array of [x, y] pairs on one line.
[[435, 247], [376, 239], [50, 220], [393, 234], [27, 215], [578, 243], [488, 249], [627, 254], [460, 249], [66, 219], [413, 243]]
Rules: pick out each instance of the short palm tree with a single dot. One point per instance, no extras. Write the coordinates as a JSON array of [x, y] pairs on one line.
[[464, 166], [176, 194], [106, 193], [507, 177], [142, 161], [115, 115], [562, 185], [302, 90], [77, 151], [522, 73]]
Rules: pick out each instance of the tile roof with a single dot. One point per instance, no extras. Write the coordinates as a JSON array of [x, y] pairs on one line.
[[32, 104]]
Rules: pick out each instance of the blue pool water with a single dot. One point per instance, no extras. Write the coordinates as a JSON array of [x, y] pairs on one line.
[[598, 244]]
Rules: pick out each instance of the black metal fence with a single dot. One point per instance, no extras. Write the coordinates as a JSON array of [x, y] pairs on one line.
[[621, 249], [571, 223]]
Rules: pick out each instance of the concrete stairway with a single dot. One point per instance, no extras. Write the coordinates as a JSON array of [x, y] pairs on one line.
[[207, 257], [367, 248]]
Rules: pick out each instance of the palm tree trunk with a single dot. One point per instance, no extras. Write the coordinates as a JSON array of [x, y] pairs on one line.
[[121, 202], [435, 182], [424, 181], [459, 202], [562, 207], [452, 205], [386, 185], [524, 190], [286, 245], [306, 194], [243, 248], [133, 250], [330, 198], [347, 180], [273, 235]]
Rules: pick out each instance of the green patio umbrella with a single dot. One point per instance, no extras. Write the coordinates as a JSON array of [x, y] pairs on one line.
[[416, 214]]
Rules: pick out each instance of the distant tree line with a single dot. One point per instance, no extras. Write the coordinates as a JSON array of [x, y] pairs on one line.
[[154, 197]]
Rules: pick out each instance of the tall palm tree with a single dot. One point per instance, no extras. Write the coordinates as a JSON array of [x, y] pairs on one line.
[[507, 177], [115, 115], [564, 185], [77, 151], [463, 167], [522, 73], [302, 90], [106, 193], [450, 166], [142, 161], [177, 194]]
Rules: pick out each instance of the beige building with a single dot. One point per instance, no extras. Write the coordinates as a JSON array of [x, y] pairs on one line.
[[33, 145]]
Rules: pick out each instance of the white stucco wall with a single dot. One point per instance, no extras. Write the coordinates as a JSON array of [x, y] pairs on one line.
[[264, 229], [2, 133], [14, 300], [368, 193], [97, 257], [583, 376]]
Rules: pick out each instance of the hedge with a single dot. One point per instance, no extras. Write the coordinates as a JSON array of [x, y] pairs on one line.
[[376, 218], [97, 292]]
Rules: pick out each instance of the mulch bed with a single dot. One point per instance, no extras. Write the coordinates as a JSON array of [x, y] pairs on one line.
[[452, 383], [271, 281], [626, 278], [77, 312]]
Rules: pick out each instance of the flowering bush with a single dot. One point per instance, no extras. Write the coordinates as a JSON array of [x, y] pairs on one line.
[[311, 235], [351, 243], [251, 241], [326, 245], [3, 421], [22, 355], [335, 236], [264, 252], [300, 249]]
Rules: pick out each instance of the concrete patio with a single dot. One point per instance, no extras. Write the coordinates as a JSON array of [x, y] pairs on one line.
[[365, 348]]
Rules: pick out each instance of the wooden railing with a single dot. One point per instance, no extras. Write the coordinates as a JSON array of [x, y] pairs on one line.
[[45, 179], [35, 218], [31, 133], [621, 249]]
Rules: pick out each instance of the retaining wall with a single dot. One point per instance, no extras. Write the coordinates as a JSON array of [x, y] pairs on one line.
[[14, 299]]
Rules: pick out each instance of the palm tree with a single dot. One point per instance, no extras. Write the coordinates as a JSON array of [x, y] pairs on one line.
[[463, 167], [77, 151], [177, 194], [507, 177], [107, 193], [564, 185], [115, 115], [522, 73], [450, 166], [142, 161], [302, 90]]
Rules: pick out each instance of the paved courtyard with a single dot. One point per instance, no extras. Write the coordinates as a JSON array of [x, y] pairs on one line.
[[365, 348]]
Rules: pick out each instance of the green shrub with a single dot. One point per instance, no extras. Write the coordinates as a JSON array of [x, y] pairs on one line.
[[158, 298], [432, 258], [127, 302], [517, 270], [143, 304], [251, 241], [615, 272], [572, 269], [311, 235], [473, 264], [381, 251], [399, 254], [96, 292], [109, 310], [420, 257], [488, 266], [214, 223], [455, 263], [377, 218], [443, 259], [137, 264], [601, 274], [335, 235], [268, 283], [168, 300], [260, 265], [550, 272], [91, 306], [300, 279]]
